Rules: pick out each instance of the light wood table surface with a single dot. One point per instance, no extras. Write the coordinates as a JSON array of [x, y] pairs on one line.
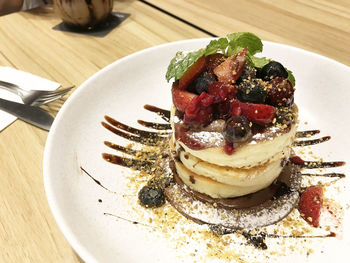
[[28, 232], [320, 26]]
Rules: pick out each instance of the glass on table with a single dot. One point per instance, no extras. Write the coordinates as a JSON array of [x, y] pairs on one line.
[[83, 14]]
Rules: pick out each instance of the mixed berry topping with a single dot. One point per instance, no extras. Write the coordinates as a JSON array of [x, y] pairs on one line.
[[228, 88]]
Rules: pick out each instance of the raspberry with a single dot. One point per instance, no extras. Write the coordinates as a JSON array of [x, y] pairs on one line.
[[280, 93], [199, 110], [222, 91]]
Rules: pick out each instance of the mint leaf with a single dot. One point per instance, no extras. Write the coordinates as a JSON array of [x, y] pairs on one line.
[[241, 40], [229, 45], [259, 62], [216, 46], [180, 63], [291, 77]]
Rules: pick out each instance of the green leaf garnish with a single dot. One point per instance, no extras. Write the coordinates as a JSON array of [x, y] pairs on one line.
[[259, 62], [231, 44], [216, 46], [291, 77], [181, 62], [240, 40]]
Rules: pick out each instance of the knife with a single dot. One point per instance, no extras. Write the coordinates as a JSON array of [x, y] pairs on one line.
[[30, 114]]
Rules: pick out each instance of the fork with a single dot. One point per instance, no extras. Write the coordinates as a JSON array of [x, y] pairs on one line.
[[34, 97]]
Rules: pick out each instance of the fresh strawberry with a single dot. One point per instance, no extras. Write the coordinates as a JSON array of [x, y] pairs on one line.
[[181, 98], [310, 205], [192, 73], [231, 69], [261, 114], [222, 91]]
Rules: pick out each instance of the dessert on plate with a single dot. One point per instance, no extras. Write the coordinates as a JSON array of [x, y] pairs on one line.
[[233, 118], [228, 161]]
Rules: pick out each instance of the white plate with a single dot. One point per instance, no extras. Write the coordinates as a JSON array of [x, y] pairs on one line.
[[120, 90]]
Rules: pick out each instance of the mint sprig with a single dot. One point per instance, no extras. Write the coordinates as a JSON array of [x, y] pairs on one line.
[[229, 45]]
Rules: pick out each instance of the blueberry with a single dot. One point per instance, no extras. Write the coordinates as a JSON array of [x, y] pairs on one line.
[[237, 129], [203, 82], [252, 91], [271, 70], [151, 196]]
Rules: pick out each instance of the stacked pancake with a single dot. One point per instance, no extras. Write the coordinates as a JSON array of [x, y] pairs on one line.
[[250, 168]]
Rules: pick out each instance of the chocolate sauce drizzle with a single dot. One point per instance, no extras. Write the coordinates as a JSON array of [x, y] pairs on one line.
[[95, 180], [340, 175], [163, 131], [311, 142], [315, 164]]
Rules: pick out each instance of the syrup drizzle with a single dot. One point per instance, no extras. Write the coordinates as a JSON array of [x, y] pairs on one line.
[[311, 142], [95, 180], [128, 162], [305, 134], [129, 151], [165, 114], [128, 220], [155, 126], [340, 175], [315, 164], [143, 137]]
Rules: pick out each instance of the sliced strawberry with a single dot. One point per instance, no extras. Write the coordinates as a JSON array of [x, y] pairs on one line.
[[261, 114], [231, 69], [181, 98], [297, 160], [310, 205], [192, 73], [222, 91], [214, 60]]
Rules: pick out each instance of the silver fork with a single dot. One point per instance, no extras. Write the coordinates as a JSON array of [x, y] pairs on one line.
[[34, 97]]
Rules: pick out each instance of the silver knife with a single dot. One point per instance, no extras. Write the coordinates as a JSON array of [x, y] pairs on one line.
[[30, 114]]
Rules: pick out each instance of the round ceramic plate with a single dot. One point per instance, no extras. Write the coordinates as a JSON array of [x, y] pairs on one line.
[[96, 213]]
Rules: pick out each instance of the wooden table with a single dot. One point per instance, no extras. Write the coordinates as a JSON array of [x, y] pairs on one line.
[[28, 232], [321, 26]]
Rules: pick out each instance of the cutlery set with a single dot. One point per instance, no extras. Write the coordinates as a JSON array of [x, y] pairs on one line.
[[30, 111]]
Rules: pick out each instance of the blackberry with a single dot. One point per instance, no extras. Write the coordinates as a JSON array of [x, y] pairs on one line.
[[151, 196], [252, 91], [248, 73]]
